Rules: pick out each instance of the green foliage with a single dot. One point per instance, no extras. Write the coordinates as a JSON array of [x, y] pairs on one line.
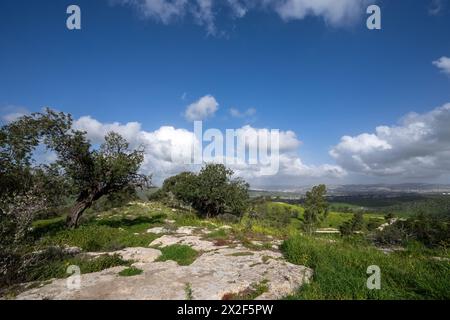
[[129, 272], [113, 168], [184, 255], [274, 214], [431, 230], [79, 170], [373, 224], [430, 205], [26, 191], [355, 224], [316, 208], [340, 271], [212, 192]]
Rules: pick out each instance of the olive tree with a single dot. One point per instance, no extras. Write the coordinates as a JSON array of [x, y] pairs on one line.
[[81, 170], [97, 172]]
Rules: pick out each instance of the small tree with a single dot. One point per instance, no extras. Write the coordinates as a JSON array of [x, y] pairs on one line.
[[96, 173], [355, 224], [90, 173], [316, 208], [211, 192]]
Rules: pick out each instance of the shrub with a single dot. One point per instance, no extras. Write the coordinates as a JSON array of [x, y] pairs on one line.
[[431, 230], [211, 192], [355, 224]]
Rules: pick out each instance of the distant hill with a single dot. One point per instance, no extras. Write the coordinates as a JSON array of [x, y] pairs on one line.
[[358, 189]]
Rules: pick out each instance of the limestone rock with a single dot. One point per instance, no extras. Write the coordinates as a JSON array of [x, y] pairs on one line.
[[158, 230], [194, 241], [213, 275], [218, 271]]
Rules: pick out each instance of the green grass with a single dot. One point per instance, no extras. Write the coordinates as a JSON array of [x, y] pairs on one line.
[[97, 238], [58, 268], [221, 234], [109, 232], [129, 272], [184, 255], [241, 254], [333, 220], [340, 271]]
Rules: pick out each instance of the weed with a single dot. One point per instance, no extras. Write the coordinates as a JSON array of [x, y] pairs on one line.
[[188, 291], [129, 272], [241, 254]]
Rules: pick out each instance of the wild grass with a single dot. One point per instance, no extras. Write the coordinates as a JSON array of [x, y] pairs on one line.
[[95, 237], [220, 234], [241, 254], [182, 254], [340, 271], [188, 291], [108, 231], [131, 271], [58, 268]]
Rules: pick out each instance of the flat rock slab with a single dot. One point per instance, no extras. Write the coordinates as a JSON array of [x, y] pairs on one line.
[[195, 242], [213, 275], [158, 230], [217, 272], [179, 231], [136, 254]]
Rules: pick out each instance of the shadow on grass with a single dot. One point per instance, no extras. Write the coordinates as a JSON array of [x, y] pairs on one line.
[[48, 227], [129, 222], [53, 226]]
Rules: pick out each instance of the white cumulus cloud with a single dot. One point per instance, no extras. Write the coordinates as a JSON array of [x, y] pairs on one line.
[[418, 147], [335, 12], [202, 109], [204, 12], [443, 64], [11, 113], [168, 151]]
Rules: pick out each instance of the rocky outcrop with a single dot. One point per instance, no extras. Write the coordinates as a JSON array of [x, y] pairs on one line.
[[217, 272]]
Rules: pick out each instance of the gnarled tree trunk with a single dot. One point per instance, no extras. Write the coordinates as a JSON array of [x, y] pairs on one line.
[[84, 201]]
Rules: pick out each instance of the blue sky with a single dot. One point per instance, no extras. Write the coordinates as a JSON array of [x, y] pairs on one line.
[[318, 78]]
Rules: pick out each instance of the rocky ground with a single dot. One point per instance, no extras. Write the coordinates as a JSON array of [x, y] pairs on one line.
[[221, 270]]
